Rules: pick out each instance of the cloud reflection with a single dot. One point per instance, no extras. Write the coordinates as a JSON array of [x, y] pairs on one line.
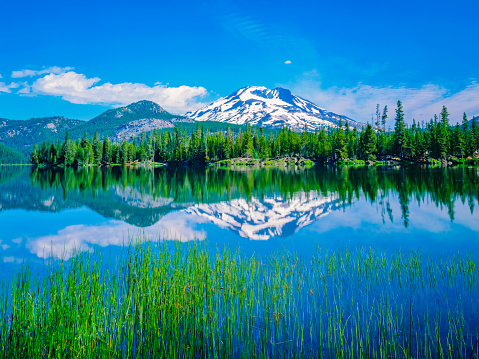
[[176, 226]]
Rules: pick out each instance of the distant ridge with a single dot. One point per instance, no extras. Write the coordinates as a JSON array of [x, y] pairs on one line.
[[22, 135], [129, 120], [106, 123], [275, 108], [10, 156]]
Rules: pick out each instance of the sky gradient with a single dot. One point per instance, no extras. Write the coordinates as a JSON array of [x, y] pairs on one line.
[[80, 58]]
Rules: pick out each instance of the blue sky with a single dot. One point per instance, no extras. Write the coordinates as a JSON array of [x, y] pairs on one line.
[[79, 58]]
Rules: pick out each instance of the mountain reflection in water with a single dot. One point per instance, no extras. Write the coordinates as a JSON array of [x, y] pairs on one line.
[[172, 202]]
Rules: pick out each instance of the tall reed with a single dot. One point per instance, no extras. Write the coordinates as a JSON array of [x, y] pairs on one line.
[[175, 301]]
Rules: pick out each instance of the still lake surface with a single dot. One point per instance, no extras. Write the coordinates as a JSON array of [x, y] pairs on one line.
[[45, 212], [423, 300]]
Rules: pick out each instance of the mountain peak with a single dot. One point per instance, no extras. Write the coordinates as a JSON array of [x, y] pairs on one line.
[[277, 108], [145, 105]]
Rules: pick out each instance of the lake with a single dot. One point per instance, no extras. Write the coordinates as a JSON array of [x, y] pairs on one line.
[[47, 212], [281, 262]]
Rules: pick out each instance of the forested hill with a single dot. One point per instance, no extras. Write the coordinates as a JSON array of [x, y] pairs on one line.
[[10, 156], [119, 124], [22, 135], [109, 121]]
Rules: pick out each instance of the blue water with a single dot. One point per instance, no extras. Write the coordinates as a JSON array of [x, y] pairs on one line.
[[417, 212], [47, 213]]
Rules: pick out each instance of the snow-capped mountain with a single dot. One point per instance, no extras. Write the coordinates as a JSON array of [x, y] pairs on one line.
[[269, 108], [261, 219]]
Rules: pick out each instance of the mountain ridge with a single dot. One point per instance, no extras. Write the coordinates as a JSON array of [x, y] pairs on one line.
[[22, 135], [106, 122], [253, 105], [277, 108], [9, 155]]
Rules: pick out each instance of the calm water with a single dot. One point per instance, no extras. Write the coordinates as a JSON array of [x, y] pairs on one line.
[[46, 213], [429, 211]]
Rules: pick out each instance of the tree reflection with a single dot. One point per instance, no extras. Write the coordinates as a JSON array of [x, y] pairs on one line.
[[185, 186]]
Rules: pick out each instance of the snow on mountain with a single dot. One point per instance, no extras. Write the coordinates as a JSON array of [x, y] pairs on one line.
[[269, 108], [261, 219]]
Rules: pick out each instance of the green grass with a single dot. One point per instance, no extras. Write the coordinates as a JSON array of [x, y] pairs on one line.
[[172, 301]]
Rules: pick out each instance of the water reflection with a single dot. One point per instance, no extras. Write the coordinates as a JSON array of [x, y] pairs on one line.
[[261, 219], [58, 209], [162, 190]]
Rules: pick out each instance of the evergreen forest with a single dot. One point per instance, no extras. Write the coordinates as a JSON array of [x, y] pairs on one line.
[[9, 155], [419, 142]]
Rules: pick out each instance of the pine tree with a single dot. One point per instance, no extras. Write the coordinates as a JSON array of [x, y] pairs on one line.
[[353, 144], [378, 118], [305, 141], [381, 146], [79, 155], [367, 144], [475, 135], [202, 148], [384, 117], [52, 155], [158, 146], [107, 150], [399, 131], [264, 149], [34, 155], [132, 153], [458, 141], [143, 150], [340, 144], [446, 131], [124, 152], [444, 117], [97, 149], [441, 145], [248, 148], [227, 147], [324, 147], [465, 123]]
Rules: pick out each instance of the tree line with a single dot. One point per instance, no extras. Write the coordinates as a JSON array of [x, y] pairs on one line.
[[435, 139]]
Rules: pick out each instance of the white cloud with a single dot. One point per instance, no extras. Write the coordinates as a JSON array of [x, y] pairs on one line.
[[25, 90], [8, 88], [49, 70], [287, 62], [0, 76], [77, 88], [359, 102]]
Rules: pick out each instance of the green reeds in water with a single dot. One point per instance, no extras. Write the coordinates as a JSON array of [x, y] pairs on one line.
[[180, 301]]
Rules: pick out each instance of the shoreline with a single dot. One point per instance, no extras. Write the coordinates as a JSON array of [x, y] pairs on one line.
[[286, 161]]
